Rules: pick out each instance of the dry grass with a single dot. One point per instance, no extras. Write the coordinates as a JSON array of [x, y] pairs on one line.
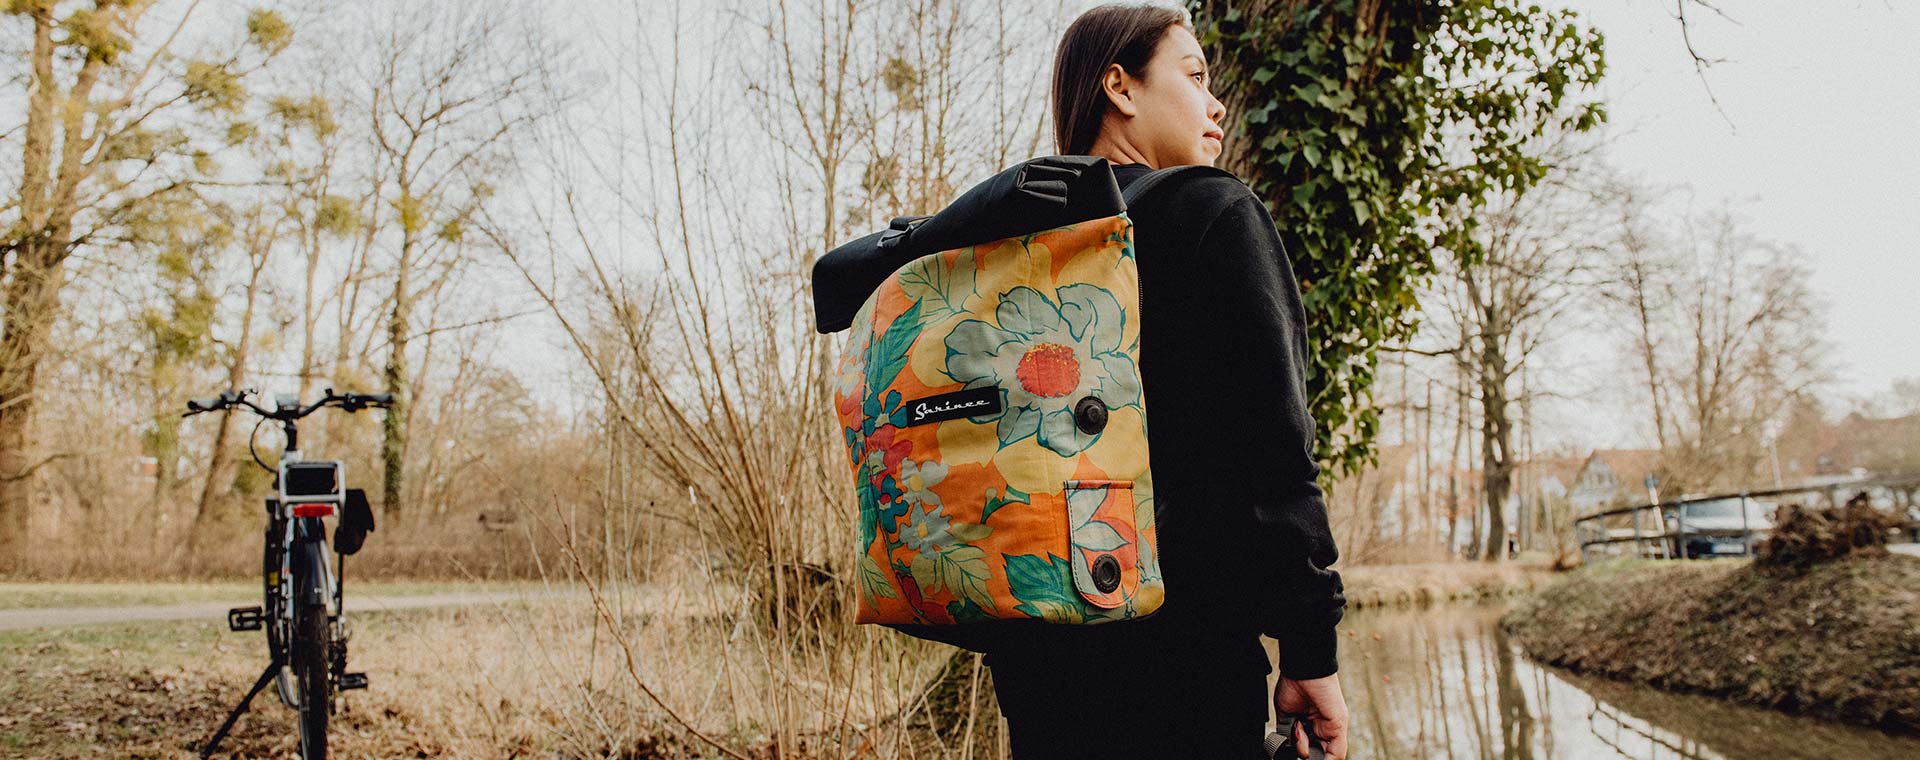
[[512, 679], [546, 676]]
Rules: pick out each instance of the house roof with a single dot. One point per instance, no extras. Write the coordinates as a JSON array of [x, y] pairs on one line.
[[1564, 469], [1629, 468]]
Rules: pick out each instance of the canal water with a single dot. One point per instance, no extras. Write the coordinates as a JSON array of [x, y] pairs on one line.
[[1445, 682]]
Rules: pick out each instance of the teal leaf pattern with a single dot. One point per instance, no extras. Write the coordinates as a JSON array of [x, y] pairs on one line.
[[889, 352], [1044, 588], [943, 290], [873, 582], [996, 501]]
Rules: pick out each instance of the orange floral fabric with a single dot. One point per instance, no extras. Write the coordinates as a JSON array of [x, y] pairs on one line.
[[995, 425]]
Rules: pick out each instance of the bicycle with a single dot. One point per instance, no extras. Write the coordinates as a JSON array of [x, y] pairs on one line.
[[302, 614]]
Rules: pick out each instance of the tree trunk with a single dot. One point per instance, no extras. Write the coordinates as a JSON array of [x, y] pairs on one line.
[[32, 303], [1496, 428], [1453, 469], [219, 484], [1496, 445], [393, 424]]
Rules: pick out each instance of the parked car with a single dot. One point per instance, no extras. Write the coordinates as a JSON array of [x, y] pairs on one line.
[[1715, 527]]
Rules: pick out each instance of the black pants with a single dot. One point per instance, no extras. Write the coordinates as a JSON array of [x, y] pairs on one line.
[[1190, 698]]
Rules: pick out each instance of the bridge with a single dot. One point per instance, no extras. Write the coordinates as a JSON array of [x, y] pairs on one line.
[[1662, 529]]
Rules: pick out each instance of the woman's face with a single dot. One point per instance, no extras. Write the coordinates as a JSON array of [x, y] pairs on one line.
[[1169, 117]]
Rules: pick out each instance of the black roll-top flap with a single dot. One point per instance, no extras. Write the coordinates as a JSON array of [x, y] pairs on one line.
[[1034, 195]]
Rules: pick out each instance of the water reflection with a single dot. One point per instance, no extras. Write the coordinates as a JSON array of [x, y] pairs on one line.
[[1445, 682]]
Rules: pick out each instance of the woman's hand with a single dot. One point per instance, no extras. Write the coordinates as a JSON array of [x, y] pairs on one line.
[[1325, 707]]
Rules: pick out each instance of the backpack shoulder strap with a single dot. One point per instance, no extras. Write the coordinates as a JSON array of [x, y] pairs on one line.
[[1033, 195], [1162, 177]]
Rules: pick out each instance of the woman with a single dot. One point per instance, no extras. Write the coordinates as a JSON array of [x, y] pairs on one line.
[[1245, 543]]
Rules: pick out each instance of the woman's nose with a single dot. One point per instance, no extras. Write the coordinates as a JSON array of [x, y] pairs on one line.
[[1216, 110]]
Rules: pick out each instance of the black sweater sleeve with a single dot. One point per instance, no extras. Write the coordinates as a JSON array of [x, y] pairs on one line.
[[1290, 544]]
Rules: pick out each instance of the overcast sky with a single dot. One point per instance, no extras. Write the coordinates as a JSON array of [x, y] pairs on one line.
[[1816, 141]]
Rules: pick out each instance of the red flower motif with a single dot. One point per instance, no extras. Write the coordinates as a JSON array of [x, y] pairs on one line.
[[882, 439], [912, 589], [1049, 370]]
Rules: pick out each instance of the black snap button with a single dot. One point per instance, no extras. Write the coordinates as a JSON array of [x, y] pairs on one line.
[[1090, 415], [1106, 573]]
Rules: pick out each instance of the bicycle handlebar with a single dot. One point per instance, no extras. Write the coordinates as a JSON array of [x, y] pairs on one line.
[[351, 402]]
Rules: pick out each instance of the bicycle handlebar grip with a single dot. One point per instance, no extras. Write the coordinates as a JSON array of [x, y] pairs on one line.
[[201, 404], [380, 398]]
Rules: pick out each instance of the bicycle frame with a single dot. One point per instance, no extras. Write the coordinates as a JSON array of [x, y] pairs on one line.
[[293, 534], [304, 613]]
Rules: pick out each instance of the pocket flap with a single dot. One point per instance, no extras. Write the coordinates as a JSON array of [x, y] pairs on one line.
[[1103, 541]]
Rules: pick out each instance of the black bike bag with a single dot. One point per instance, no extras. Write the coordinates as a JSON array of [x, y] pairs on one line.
[[356, 521]]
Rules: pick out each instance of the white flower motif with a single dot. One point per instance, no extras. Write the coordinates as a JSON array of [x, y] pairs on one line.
[[917, 480], [1045, 358], [927, 529]]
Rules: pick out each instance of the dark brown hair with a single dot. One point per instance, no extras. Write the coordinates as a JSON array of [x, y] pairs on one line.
[[1122, 33]]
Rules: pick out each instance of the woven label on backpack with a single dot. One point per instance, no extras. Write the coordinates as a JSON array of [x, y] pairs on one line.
[[994, 419], [975, 402]]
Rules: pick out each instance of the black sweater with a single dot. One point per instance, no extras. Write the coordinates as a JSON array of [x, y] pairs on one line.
[[1242, 523], [1244, 542]]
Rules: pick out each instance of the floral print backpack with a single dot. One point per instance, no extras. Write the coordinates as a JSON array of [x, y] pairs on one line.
[[990, 401]]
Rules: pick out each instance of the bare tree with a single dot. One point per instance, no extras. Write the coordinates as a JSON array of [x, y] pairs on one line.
[[1642, 271], [447, 90], [256, 231], [1724, 327], [1528, 260]]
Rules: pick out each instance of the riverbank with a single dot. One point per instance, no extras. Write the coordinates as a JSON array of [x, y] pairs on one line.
[[1839, 640], [1428, 583]]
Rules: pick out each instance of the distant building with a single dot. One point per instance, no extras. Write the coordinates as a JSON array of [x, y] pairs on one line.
[[1880, 446], [1812, 450], [146, 471], [1551, 477], [1612, 477]]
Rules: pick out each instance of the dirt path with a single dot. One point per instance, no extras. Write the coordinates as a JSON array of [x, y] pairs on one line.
[[63, 617]]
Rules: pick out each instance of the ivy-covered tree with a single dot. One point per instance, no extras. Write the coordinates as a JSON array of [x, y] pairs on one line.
[[1373, 131]]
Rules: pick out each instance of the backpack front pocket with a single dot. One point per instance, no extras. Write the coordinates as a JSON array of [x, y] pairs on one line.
[[1103, 541]]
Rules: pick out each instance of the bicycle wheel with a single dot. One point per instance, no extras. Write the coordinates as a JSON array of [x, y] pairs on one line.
[[278, 631], [312, 647]]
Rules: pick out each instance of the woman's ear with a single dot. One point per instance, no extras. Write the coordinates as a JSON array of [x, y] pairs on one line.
[[1118, 86]]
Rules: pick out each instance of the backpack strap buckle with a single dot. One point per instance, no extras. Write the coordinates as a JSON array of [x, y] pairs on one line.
[[900, 228]]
